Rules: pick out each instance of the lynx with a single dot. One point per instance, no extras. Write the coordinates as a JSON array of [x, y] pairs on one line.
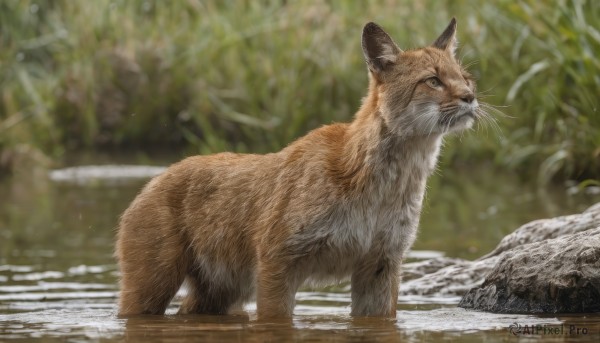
[[342, 202]]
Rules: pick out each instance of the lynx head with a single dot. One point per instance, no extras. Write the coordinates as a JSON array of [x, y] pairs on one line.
[[423, 91]]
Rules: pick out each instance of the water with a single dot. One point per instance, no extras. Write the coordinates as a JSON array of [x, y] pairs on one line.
[[58, 277]]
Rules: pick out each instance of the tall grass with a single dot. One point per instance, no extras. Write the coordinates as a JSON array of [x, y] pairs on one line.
[[553, 64], [254, 75]]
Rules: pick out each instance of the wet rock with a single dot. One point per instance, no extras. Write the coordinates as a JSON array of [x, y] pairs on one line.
[[555, 275], [456, 277], [420, 269]]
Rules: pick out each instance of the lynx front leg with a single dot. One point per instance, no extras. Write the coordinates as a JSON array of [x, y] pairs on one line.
[[375, 288], [277, 286]]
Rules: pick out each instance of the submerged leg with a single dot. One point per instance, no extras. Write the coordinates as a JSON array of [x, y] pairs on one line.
[[375, 288], [277, 286], [147, 287], [152, 261]]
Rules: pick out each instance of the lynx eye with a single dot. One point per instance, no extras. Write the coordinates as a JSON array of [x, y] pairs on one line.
[[433, 82]]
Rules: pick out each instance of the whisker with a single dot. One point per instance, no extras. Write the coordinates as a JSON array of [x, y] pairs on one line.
[[495, 110], [487, 91], [434, 123], [487, 120], [470, 64]]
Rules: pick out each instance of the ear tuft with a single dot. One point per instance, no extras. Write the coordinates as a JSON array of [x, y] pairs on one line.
[[378, 47], [447, 40]]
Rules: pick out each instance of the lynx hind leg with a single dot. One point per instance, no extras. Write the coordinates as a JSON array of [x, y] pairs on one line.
[[152, 265], [148, 290]]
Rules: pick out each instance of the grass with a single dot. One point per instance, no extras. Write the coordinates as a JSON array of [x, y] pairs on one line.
[[553, 91], [208, 76]]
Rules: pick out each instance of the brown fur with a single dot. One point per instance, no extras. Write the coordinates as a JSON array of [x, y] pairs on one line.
[[343, 201]]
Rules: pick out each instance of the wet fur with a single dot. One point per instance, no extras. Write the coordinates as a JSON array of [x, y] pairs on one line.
[[342, 202]]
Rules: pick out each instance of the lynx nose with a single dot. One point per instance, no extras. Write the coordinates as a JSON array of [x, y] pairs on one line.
[[468, 97]]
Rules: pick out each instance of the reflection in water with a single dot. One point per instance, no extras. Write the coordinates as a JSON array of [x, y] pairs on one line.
[[410, 325], [240, 328], [58, 277]]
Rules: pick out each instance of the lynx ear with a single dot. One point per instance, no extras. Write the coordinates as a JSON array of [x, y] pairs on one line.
[[378, 47], [447, 40]]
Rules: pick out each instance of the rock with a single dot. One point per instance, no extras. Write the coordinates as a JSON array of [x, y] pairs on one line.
[[551, 276], [594, 208], [443, 276], [420, 269], [541, 230], [456, 278]]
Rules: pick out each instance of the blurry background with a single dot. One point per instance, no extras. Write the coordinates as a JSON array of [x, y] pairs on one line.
[[195, 76]]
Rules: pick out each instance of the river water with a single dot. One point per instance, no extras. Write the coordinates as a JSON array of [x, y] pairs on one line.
[[58, 279]]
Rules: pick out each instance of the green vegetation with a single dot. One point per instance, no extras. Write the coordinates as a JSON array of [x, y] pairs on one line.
[[207, 76]]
